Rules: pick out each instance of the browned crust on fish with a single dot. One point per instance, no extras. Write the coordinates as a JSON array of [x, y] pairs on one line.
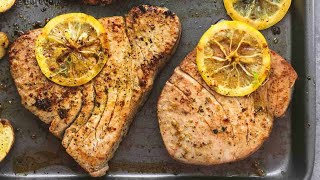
[[47, 100]]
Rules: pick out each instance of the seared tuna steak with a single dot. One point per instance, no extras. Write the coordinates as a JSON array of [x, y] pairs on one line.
[[92, 119], [199, 126]]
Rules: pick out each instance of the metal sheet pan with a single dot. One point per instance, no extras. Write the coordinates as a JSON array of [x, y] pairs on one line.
[[287, 154]]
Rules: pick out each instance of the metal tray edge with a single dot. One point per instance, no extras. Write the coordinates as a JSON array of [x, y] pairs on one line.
[[310, 56]]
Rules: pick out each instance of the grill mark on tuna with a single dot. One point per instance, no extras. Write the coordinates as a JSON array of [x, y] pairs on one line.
[[100, 105], [187, 96], [176, 127], [215, 95], [277, 99], [135, 56], [87, 127], [212, 94], [69, 109], [93, 120], [180, 90], [138, 82], [138, 66], [89, 102], [276, 94], [109, 114], [145, 65], [246, 118], [116, 111], [262, 115], [125, 89], [181, 145], [220, 114], [201, 83]]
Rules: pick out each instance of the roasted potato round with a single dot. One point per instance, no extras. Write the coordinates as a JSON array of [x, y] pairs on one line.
[[6, 138], [4, 43], [6, 5]]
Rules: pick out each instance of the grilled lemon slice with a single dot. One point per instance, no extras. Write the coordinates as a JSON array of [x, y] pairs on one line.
[[6, 138], [233, 58], [260, 14], [4, 43], [6, 5], [72, 49]]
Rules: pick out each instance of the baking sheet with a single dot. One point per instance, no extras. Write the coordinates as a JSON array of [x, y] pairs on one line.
[[287, 154]]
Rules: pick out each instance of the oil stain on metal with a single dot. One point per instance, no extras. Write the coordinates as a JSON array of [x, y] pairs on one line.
[[31, 162]]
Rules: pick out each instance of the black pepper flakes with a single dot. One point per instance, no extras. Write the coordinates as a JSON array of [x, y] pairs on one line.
[[62, 113], [169, 13], [43, 104], [215, 131], [142, 9], [200, 109]]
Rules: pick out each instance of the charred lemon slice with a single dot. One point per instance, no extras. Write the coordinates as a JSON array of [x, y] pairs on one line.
[[6, 138], [72, 49], [4, 43], [260, 14], [6, 5], [233, 58]]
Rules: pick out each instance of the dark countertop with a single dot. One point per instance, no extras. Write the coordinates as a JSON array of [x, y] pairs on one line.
[[316, 170]]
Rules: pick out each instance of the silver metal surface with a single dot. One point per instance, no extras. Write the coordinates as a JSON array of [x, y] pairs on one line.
[[37, 153], [316, 170]]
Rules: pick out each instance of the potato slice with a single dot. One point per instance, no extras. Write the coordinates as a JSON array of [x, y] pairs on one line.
[[6, 5], [4, 43], [6, 138]]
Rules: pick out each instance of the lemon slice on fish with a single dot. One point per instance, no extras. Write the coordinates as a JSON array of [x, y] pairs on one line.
[[260, 14], [233, 58], [72, 49]]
